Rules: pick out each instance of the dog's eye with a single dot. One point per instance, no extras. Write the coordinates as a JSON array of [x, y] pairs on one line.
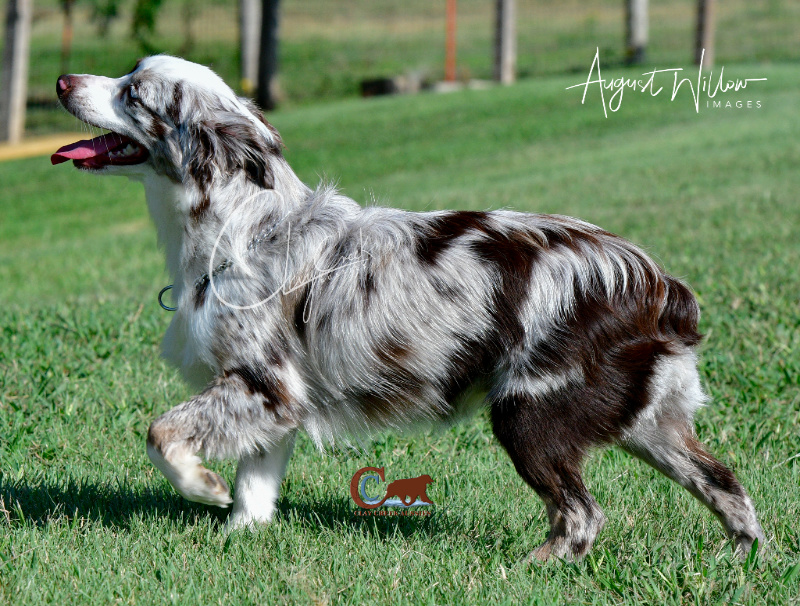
[[130, 94]]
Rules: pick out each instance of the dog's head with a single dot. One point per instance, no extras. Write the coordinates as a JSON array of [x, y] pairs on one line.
[[170, 116]]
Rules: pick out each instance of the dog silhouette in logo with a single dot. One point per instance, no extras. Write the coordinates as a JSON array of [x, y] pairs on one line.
[[409, 490]]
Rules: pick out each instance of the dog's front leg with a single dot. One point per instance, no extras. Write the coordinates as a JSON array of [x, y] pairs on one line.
[[258, 481], [180, 464], [226, 420]]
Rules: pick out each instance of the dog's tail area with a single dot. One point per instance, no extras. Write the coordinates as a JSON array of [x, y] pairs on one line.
[[661, 306], [680, 313]]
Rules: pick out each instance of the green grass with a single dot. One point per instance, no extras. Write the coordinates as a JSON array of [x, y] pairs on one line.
[[84, 518]]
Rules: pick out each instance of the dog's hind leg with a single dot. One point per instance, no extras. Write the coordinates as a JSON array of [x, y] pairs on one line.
[[547, 452], [662, 435], [258, 481], [229, 419]]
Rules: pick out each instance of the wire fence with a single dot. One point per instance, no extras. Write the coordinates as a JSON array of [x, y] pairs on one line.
[[328, 47]]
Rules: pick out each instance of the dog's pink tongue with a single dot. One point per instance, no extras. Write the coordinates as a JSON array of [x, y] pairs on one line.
[[88, 148]]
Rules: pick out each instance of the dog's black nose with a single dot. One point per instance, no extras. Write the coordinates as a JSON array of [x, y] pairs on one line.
[[63, 85]]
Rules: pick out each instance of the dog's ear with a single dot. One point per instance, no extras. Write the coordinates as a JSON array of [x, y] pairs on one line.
[[230, 143], [258, 114]]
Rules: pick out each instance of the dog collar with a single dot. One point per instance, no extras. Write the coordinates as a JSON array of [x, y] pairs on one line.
[[202, 282]]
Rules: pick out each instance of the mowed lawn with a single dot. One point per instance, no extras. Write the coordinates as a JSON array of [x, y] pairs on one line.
[[84, 517]]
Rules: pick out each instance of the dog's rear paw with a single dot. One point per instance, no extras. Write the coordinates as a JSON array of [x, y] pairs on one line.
[[549, 551], [744, 542], [546, 551]]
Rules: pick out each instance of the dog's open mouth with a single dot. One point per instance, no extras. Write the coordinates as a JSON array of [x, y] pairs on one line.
[[111, 149]]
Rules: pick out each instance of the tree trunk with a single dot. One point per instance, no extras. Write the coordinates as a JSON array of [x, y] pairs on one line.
[[505, 42], [706, 28], [14, 78], [636, 31], [250, 43]]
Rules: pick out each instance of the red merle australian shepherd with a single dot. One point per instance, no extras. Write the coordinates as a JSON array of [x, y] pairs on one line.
[[298, 308]]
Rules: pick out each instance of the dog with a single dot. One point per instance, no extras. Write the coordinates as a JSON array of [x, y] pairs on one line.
[[299, 309]]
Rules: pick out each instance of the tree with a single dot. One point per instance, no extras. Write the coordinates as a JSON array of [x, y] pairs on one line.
[[103, 13], [636, 30], [250, 43], [704, 39], [505, 42], [14, 77]]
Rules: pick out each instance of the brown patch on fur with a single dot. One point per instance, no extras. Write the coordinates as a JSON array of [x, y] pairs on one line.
[[159, 435], [547, 449], [367, 285], [681, 314], [174, 108], [296, 304], [714, 473], [200, 167], [259, 115], [199, 210], [157, 129], [513, 256], [397, 386], [274, 393], [438, 235], [200, 291], [392, 352], [247, 151]]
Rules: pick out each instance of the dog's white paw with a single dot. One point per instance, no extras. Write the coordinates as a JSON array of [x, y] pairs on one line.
[[239, 520], [192, 481], [205, 486]]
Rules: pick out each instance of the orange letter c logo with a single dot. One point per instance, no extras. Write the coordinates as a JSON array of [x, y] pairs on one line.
[[357, 487]]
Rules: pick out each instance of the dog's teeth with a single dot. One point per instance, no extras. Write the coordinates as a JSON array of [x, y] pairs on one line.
[[128, 149]]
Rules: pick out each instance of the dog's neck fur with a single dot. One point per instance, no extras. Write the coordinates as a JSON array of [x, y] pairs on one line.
[[187, 240]]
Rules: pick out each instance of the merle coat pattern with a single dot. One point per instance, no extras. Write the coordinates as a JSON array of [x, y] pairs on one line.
[[299, 309]]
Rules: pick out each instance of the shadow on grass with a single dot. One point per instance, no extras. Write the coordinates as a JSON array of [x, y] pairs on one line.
[[337, 513], [111, 504], [118, 505], [340, 515]]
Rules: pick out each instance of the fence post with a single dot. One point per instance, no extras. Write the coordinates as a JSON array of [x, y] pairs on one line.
[[505, 42], [704, 39], [249, 40], [450, 41], [14, 78], [636, 30], [268, 55]]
